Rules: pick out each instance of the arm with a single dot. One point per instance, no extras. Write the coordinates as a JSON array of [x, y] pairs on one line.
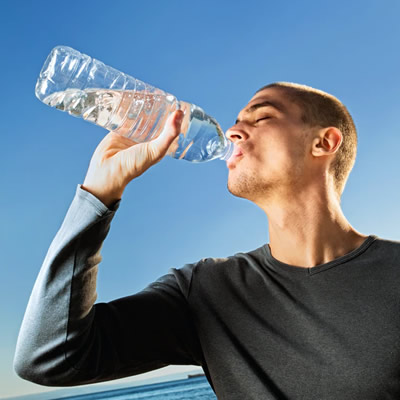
[[66, 339]]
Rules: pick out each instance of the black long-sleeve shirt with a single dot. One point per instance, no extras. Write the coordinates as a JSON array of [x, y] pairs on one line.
[[261, 329]]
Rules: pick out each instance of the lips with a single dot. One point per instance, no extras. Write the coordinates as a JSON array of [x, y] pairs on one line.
[[237, 152]]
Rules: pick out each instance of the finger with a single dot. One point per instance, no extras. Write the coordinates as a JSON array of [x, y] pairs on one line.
[[117, 137], [114, 142], [159, 146]]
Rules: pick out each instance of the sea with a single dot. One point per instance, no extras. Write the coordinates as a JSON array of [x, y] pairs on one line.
[[183, 389]]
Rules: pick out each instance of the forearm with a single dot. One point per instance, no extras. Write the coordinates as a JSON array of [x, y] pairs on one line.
[[64, 293], [66, 339]]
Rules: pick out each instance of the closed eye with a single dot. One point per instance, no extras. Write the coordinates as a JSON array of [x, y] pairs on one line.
[[261, 119]]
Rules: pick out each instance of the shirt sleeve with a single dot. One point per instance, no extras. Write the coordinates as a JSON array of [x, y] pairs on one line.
[[66, 339]]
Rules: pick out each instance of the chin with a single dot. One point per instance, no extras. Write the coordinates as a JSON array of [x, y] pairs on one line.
[[241, 186], [250, 186], [237, 193]]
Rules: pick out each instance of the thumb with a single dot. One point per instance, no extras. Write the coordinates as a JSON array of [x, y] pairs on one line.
[[172, 129]]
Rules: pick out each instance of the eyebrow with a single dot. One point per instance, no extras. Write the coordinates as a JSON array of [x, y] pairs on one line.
[[266, 103]]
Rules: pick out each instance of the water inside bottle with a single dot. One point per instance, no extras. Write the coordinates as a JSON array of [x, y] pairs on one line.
[[141, 116]]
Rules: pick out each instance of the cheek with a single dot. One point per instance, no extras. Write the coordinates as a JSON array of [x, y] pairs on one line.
[[276, 154]]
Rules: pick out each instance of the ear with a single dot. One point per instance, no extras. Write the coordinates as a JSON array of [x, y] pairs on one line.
[[327, 142]]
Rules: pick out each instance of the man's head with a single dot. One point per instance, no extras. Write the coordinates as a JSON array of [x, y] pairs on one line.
[[309, 133]]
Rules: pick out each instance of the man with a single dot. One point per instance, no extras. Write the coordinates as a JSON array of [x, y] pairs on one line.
[[314, 314]]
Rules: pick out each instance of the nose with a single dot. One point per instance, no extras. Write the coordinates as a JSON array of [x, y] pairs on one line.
[[236, 133]]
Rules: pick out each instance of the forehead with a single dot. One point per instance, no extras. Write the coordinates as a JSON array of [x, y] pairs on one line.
[[274, 98]]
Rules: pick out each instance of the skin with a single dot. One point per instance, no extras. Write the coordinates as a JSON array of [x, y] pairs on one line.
[[118, 160], [280, 164]]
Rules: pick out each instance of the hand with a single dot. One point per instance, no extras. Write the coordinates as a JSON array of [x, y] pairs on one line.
[[117, 160]]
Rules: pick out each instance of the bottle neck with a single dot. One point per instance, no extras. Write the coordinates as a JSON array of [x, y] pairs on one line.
[[228, 150]]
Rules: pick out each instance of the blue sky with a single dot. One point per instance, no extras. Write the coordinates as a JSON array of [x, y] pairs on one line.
[[212, 53]]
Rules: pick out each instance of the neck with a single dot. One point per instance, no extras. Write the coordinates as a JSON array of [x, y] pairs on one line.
[[308, 228]]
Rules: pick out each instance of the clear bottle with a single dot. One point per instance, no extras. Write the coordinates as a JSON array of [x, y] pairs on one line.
[[87, 88]]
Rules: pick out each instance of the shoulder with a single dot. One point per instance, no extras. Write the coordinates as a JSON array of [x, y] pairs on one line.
[[227, 265], [224, 269], [386, 245], [386, 252]]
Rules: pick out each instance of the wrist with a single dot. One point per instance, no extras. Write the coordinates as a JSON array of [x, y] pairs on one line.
[[107, 199]]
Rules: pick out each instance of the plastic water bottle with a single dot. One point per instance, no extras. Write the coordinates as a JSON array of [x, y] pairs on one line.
[[87, 88]]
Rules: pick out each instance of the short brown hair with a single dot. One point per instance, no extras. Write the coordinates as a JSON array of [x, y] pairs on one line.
[[324, 110]]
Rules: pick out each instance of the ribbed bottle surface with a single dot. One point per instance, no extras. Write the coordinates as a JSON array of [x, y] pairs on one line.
[[87, 88]]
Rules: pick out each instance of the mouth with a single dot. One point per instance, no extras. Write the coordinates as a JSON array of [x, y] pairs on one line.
[[237, 153]]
